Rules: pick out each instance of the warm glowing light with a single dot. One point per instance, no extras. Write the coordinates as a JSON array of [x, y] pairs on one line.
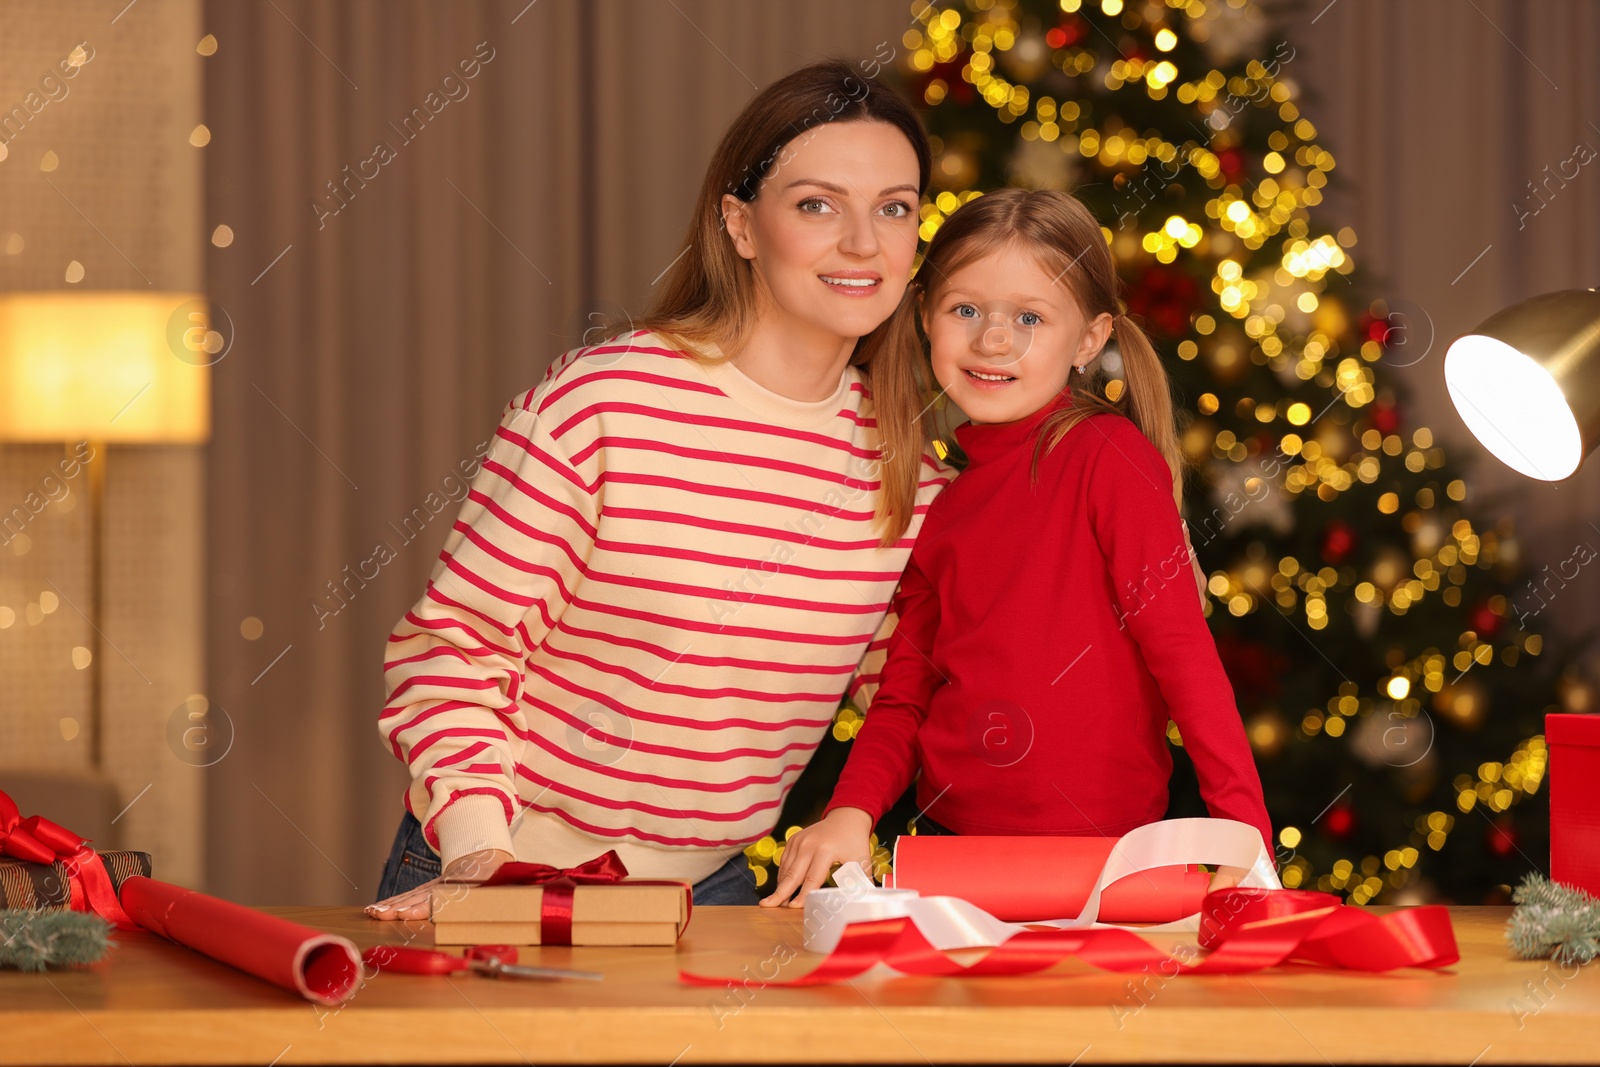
[[103, 365], [1514, 406]]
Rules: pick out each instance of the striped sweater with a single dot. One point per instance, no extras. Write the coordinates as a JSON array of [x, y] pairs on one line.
[[660, 586]]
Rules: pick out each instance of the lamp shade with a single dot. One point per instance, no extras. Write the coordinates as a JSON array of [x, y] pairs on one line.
[[1527, 382], [118, 367]]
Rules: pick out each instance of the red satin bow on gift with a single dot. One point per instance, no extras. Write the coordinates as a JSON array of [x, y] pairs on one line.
[[555, 908], [1245, 929], [38, 840]]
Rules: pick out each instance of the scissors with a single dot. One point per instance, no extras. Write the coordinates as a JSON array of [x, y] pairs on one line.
[[495, 961]]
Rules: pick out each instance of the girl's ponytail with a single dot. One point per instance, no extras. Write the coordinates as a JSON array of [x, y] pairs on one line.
[[1149, 395]]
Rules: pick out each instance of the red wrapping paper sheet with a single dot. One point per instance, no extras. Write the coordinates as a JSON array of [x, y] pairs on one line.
[[320, 967], [1023, 879]]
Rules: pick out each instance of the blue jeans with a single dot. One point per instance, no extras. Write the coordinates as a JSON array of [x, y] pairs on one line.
[[413, 861]]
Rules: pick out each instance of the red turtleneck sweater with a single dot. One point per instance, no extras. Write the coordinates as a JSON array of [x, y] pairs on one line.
[[1048, 630]]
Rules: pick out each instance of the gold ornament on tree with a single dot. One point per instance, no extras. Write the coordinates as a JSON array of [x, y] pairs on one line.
[[1462, 703], [1576, 693]]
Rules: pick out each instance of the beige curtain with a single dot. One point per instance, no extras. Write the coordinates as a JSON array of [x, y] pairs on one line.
[[375, 345]]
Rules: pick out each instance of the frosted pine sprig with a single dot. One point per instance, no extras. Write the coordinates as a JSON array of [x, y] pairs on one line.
[[1554, 920], [33, 940]]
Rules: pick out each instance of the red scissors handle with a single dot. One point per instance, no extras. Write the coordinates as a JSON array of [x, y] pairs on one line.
[[404, 960]]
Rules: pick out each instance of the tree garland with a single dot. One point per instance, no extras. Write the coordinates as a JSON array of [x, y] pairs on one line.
[[1554, 920], [32, 940]]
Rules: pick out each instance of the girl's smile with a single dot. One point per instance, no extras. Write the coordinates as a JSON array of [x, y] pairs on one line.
[[987, 379]]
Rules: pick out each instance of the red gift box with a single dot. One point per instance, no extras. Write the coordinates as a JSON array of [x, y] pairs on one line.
[[1574, 743]]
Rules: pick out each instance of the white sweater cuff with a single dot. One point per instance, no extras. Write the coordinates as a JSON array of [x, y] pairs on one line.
[[471, 824]]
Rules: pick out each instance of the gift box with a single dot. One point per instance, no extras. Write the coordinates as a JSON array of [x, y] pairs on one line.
[[621, 913], [1574, 744], [46, 886]]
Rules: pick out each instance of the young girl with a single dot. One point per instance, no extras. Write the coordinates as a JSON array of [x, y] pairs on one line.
[[1048, 624]]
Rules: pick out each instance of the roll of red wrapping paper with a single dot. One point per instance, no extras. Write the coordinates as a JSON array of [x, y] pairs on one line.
[[320, 967], [1021, 879]]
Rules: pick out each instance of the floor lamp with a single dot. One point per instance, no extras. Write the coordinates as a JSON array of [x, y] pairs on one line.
[[104, 368]]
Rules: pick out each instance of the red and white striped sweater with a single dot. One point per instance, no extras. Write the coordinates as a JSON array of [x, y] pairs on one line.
[[655, 595]]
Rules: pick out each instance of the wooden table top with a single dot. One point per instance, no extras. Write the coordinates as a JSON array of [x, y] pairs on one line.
[[151, 1001]]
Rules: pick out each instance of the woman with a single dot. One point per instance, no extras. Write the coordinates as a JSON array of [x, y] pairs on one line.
[[682, 543]]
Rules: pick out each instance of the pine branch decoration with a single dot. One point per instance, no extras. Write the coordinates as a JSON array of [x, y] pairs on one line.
[[34, 940], [1554, 920]]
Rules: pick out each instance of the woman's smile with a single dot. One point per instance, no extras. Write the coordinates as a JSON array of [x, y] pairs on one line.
[[853, 283]]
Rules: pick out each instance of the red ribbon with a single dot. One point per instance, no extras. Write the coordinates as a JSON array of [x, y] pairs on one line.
[[38, 840], [1245, 930], [555, 907]]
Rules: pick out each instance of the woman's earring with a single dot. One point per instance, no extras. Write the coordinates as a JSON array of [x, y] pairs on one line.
[[1082, 369]]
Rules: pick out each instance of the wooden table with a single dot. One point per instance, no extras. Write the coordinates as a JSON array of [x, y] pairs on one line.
[[153, 1002]]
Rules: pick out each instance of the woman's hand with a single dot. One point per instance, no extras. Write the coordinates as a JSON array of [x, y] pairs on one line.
[[844, 834], [1226, 878], [415, 903]]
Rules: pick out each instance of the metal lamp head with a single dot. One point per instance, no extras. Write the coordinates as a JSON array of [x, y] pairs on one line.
[[1527, 382]]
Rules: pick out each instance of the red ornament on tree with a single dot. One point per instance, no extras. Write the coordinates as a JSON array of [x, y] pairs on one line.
[[1231, 162], [1501, 838], [1339, 823], [1070, 32], [1483, 621], [1164, 297], [1376, 329], [1385, 419], [1338, 542]]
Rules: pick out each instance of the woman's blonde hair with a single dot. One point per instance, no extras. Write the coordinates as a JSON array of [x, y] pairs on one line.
[[709, 295], [1069, 244]]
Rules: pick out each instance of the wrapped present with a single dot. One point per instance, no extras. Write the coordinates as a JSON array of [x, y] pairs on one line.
[[85, 877], [48, 886], [1574, 743], [595, 903]]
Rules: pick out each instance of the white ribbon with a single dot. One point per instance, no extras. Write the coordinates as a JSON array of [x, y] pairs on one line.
[[950, 922]]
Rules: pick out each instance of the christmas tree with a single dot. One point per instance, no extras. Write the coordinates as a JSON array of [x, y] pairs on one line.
[[1388, 684]]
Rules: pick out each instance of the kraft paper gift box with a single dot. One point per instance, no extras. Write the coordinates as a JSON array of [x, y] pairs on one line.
[[620, 913], [1574, 743]]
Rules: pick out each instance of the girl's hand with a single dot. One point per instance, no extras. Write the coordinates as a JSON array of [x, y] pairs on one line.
[[844, 834], [1227, 878], [415, 903]]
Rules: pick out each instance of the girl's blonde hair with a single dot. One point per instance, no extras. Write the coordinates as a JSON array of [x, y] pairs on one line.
[[709, 296], [1069, 244]]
